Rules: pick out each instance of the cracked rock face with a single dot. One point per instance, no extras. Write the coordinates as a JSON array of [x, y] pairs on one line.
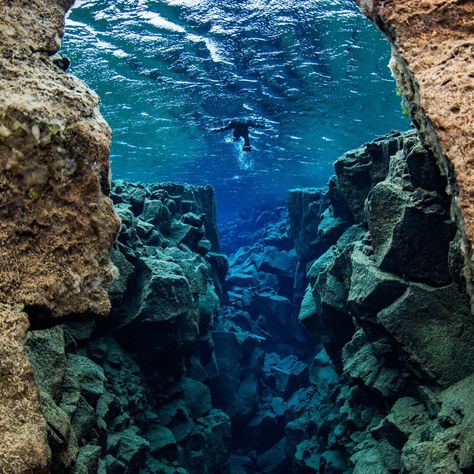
[[56, 224], [433, 52]]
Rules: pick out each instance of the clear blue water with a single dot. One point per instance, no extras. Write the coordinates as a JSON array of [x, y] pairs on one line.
[[315, 71]]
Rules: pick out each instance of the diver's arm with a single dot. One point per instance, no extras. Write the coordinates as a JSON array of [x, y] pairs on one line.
[[223, 129]]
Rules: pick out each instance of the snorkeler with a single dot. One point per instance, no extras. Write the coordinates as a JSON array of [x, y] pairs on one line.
[[241, 130]]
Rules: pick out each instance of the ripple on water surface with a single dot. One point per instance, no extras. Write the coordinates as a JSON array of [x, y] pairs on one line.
[[170, 71]]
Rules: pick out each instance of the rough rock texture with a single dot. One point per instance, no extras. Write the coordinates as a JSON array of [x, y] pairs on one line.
[[128, 393], [388, 301], [262, 353], [23, 446], [56, 223], [433, 52]]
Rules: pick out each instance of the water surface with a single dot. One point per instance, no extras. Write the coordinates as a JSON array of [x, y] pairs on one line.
[[168, 72]]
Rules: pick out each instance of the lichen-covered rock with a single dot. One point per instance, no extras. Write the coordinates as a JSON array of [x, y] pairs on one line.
[[57, 223], [432, 62], [23, 446]]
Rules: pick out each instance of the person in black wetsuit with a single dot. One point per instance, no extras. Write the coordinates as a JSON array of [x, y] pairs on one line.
[[241, 130]]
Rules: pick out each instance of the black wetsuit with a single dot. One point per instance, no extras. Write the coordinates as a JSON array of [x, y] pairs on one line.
[[241, 130]]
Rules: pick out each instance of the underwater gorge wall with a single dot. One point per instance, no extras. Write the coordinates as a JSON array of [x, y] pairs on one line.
[[57, 224], [432, 61], [387, 299]]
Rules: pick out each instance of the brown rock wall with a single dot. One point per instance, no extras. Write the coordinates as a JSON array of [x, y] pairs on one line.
[[23, 446], [433, 62], [56, 222]]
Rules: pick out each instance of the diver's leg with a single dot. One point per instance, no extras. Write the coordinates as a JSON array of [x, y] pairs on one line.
[[246, 146]]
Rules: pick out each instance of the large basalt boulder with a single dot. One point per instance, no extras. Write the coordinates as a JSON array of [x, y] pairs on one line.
[[359, 170], [433, 328], [399, 221]]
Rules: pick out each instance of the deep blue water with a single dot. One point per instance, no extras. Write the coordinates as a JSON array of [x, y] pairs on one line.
[[315, 71]]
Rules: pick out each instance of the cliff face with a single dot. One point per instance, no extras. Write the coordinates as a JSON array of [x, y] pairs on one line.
[[389, 304], [56, 223], [128, 393], [433, 51]]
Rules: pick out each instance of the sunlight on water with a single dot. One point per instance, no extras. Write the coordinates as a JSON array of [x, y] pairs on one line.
[[168, 72]]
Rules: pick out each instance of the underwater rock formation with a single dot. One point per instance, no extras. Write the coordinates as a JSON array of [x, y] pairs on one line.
[[433, 43], [388, 302], [128, 393], [57, 224], [23, 446], [262, 353]]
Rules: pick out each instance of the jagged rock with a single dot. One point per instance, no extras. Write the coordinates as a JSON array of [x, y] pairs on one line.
[[161, 438], [47, 354], [289, 374], [322, 373], [440, 316], [87, 460], [125, 271], [376, 458], [82, 376], [209, 445], [128, 447], [371, 289], [235, 389], [306, 207], [166, 292], [197, 397], [404, 417], [358, 171], [329, 278], [444, 444], [278, 262], [432, 43], [219, 268], [399, 223], [362, 364]]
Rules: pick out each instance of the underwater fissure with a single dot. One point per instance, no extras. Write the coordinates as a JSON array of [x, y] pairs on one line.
[[203, 364]]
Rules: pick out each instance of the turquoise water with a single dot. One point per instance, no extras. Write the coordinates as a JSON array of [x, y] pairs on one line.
[[168, 72]]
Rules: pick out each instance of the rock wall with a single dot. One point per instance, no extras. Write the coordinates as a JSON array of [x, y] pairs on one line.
[[388, 302], [433, 51], [128, 393], [57, 224]]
